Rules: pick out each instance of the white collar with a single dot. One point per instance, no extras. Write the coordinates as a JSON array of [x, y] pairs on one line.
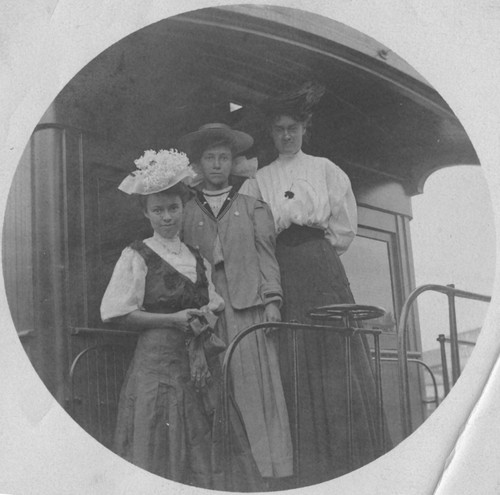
[[172, 245], [290, 158], [219, 192]]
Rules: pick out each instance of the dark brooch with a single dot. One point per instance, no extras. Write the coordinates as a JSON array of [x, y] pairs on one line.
[[289, 194]]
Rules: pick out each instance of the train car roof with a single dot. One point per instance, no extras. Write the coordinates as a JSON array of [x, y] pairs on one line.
[[320, 26], [378, 118]]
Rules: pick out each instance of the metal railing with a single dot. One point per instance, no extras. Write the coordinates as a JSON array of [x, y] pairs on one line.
[[347, 332], [95, 379], [111, 353], [452, 293], [443, 340], [426, 368]]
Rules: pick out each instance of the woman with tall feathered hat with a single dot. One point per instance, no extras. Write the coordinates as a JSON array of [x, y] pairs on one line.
[[316, 220]]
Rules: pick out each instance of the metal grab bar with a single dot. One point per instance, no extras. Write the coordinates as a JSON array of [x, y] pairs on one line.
[[404, 390], [347, 332], [78, 358], [442, 339], [468, 343], [427, 368]]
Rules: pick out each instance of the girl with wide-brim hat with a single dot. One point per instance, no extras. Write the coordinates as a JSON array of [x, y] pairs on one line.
[[236, 234]]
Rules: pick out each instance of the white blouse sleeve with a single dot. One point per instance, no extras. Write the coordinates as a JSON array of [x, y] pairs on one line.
[[125, 291], [343, 221], [216, 303], [251, 188]]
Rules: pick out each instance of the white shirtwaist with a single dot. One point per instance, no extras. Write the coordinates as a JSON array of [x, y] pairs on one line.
[[311, 191]]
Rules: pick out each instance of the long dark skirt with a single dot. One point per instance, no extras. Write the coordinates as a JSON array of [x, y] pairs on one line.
[[162, 425], [312, 275], [169, 428]]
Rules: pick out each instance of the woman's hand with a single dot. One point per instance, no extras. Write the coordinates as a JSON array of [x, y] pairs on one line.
[[210, 316], [180, 320], [200, 374], [272, 312]]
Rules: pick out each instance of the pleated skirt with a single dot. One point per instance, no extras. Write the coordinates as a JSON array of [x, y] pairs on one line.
[[257, 387], [312, 275]]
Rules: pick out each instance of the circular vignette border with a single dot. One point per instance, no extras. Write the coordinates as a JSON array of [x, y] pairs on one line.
[[454, 47]]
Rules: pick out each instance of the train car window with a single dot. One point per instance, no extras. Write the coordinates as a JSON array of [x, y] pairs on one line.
[[368, 265]]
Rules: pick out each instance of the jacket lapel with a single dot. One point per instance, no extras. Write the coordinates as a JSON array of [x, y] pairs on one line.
[[203, 203]]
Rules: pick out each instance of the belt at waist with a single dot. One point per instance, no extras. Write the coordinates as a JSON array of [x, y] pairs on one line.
[[298, 234]]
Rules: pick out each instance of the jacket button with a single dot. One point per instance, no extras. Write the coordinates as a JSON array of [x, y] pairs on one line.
[[237, 213], [200, 223]]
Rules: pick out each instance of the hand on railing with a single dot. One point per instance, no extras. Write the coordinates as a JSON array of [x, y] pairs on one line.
[[272, 314]]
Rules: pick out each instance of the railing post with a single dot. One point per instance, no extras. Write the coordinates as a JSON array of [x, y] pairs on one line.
[[348, 359], [296, 430], [455, 353], [379, 393], [444, 364], [404, 387]]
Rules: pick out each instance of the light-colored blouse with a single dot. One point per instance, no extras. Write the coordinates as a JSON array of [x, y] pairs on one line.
[[125, 291], [311, 191], [216, 199]]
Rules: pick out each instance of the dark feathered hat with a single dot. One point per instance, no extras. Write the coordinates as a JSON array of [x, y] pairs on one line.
[[298, 103]]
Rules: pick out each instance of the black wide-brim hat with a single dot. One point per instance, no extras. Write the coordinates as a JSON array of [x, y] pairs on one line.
[[211, 133]]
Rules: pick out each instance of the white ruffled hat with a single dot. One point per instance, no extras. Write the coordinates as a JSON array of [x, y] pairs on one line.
[[158, 171]]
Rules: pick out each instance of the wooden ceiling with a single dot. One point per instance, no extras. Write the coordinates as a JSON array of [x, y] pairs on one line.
[[167, 79]]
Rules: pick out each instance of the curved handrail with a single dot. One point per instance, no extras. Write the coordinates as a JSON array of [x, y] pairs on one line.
[[433, 377], [82, 353], [451, 292], [268, 325], [347, 330], [227, 360], [426, 367], [76, 361]]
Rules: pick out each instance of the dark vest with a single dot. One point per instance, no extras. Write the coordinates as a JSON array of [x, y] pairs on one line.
[[167, 290]]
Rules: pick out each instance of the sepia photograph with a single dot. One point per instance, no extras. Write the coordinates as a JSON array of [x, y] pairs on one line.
[[245, 248]]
